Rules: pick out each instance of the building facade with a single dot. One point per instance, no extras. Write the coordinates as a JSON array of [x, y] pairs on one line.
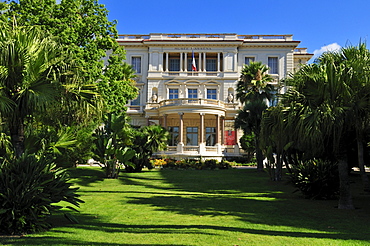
[[187, 84]]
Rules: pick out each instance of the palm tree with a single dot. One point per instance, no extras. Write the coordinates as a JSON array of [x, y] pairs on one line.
[[29, 64], [254, 83], [333, 97], [253, 90]]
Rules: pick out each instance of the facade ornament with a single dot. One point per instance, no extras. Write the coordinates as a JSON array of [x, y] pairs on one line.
[[154, 98], [230, 98]]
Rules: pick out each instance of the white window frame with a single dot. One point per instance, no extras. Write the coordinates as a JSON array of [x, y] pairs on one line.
[[245, 58], [173, 88], [210, 88], [134, 65], [187, 92], [270, 67]]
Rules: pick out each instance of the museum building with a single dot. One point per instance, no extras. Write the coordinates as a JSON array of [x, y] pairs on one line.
[[187, 84]]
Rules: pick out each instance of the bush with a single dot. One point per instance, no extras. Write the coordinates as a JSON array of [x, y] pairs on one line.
[[28, 189], [316, 179], [196, 164]]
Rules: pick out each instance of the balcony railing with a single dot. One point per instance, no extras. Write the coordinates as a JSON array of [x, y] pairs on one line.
[[212, 36], [191, 101]]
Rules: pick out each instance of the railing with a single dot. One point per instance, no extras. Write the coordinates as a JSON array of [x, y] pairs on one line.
[[211, 149], [135, 108], [189, 73], [266, 38], [300, 51], [191, 101], [171, 148], [214, 36], [191, 148]]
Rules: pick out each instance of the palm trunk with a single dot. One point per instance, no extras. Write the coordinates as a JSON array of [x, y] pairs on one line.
[[345, 199], [17, 134], [279, 168], [361, 165], [259, 156]]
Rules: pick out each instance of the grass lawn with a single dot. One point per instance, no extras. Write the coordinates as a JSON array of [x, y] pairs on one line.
[[220, 207]]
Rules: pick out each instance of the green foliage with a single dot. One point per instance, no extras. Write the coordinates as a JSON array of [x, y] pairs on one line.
[[87, 88], [110, 149], [209, 164], [29, 189], [146, 141], [316, 179]]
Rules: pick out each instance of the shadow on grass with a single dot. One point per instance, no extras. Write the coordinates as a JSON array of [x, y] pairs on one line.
[[85, 176], [89, 223], [252, 199]]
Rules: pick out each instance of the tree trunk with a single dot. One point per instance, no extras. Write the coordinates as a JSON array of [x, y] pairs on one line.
[[279, 168], [259, 156], [17, 134], [345, 199], [361, 165]]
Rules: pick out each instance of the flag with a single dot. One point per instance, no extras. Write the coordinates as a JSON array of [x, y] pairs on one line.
[[193, 65]]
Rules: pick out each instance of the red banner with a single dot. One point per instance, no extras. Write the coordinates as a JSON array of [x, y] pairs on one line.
[[229, 137]]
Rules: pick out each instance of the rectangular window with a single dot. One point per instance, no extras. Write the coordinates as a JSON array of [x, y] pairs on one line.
[[273, 65], [173, 93], [210, 136], [136, 101], [212, 94], [174, 135], [174, 64], [248, 60], [192, 93], [136, 64], [211, 65], [192, 136], [190, 62]]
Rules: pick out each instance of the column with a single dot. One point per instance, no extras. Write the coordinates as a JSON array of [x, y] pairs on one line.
[[165, 121], [204, 62], [235, 61], [166, 61], [186, 62], [218, 62], [202, 144], [181, 62], [222, 130], [161, 61], [217, 129], [201, 130], [200, 62], [180, 146]]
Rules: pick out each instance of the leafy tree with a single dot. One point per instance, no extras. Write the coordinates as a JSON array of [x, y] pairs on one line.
[[253, 89], [31, 66], [111, 140], [83, 31], [326, 98], [147, 140]]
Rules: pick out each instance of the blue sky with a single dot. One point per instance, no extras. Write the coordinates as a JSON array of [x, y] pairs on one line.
[[319, 25]]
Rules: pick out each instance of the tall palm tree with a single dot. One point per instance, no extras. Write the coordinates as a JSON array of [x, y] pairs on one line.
[[253, 90], [333, 97], [30, 66]]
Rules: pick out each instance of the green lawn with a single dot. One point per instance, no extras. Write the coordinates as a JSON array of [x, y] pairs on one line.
[[220, 207]]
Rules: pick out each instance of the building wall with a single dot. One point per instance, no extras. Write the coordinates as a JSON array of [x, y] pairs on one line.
[[229, 50]]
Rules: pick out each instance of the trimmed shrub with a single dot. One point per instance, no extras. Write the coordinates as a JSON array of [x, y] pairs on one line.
[[316, 179], [29, 189], [210, 164]]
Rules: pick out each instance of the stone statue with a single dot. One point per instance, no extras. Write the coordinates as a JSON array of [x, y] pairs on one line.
[[230, 98], [154, 98]]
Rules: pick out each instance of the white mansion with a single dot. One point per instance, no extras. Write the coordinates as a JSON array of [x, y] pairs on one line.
[[187, 84]]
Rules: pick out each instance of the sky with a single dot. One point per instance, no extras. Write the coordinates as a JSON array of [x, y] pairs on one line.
[[320, 25]]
